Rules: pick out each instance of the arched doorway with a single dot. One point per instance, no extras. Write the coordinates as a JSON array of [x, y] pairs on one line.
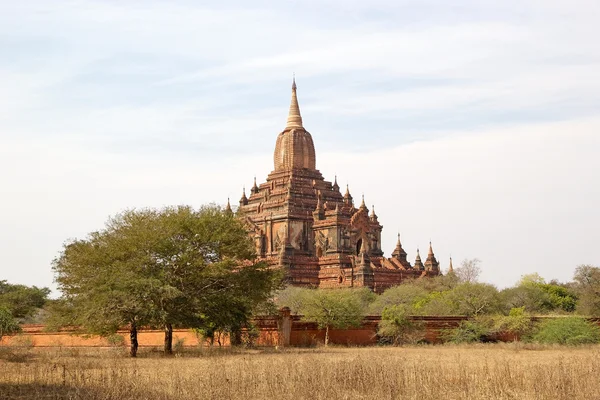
[[358, 246]]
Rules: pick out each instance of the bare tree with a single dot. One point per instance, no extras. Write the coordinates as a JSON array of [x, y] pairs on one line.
[[469, 270]]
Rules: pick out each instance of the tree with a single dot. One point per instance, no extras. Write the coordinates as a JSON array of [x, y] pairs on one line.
[[22, 301], [469, 270], [587, 286], [407, 295], [174, 266], [8, 323], [473, 299], [292, 297], [338, 309], [537, 296]]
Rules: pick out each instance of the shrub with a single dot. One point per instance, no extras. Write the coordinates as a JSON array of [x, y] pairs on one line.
[[397, 327], [470, 331], [516, 322], [8, 324], [568, 330]]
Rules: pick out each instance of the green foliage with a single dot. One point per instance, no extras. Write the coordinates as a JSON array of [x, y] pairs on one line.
[[407, 295], [22, 301], [292, 297], [568, 331], [339, 308], [8, 323], [517, 321], [174, 266], [470, 331], [539, 297], [435, 303], [397, 326], [473, 299]]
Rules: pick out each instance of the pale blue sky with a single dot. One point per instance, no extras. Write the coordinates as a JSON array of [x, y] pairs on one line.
[[475, 124]]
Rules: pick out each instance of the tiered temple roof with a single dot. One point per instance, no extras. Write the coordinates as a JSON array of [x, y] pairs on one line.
[[302, 223]]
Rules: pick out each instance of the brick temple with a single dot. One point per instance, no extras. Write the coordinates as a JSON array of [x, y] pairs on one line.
[[303, 223]]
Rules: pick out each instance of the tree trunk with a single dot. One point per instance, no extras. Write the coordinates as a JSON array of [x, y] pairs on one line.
[[133, 338], [326, 335], [168, 339], [236, 337]]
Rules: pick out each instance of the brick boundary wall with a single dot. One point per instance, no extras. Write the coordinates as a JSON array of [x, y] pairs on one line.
[[283, 330]]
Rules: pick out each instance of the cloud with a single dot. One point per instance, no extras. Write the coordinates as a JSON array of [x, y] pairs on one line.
[[472, 123]]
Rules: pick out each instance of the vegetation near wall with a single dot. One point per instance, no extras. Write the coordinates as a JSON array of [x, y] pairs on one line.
[[162, 268], [494, 314], [183, 268]]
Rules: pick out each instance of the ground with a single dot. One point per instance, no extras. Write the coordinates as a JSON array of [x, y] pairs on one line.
[[491, 371]]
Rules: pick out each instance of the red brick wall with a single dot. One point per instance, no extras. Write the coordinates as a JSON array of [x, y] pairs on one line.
[[301, 334]]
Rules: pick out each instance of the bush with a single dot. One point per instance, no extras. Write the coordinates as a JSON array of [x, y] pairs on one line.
[[569, 330], [397, 327], [517, 322], [470, 331], [8, 324]]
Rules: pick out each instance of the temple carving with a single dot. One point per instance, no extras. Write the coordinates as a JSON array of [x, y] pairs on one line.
[[302, 223]]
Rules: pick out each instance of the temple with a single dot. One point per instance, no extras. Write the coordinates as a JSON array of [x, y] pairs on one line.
[[302, 223]]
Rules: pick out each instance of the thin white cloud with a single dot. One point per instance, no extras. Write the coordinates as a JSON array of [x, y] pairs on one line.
[[108, 105]]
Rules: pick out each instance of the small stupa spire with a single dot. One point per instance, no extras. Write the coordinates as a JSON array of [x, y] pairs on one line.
[[244, 199], [228, 209], [294, 118], [362, 204], [450, 268], [336, 187], [418, 263], [373, 215]]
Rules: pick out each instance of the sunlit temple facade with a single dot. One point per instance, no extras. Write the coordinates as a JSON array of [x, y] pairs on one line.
[[304, 224]]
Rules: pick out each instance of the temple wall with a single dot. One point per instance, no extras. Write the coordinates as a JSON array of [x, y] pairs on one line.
[[285, 330]]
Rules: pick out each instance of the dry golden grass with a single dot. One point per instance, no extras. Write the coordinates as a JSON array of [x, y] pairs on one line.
[[501, 371]]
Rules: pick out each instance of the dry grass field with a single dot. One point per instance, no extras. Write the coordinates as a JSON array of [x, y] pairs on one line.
[[495, 371]]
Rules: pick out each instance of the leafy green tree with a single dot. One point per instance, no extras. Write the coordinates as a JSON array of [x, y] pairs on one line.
[[473, 299], [22, 301], [436, 303], [292, 297], [8, 323], [587, 286], [174, 266], [569, 331], [406, 295], [539, 297], [334, 308]]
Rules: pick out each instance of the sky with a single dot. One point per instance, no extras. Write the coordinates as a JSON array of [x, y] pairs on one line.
[[473, 123]]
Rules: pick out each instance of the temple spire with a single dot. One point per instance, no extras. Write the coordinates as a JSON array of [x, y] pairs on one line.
[[418, 263], [244, 199], [254, 187], [450, 268], [294, 118], [336, 187], [362, 204]]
